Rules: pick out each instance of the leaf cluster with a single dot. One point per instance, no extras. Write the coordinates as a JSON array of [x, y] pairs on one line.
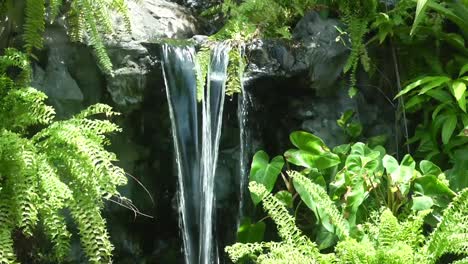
[[345, 189], [64, 167], [88, 20]]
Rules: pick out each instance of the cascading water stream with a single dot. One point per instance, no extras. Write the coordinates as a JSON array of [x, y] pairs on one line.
[[243, 104], [196, 178], [181, 89], [213, 106]]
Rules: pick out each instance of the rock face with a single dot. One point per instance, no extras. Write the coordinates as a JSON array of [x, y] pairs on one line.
[[316, 49], [150, 20]]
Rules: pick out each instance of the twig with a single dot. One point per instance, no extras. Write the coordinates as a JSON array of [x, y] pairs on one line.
[[400, 99]]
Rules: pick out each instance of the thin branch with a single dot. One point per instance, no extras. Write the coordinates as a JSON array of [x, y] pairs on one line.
[[400, 99], [141, 184]]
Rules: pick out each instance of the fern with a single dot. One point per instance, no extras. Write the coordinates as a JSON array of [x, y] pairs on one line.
[[85, 17], [203, 59], [63, 166], [34, 24], [318, 200], [451, 234], [236, 69], [357, 14], [296, 247]]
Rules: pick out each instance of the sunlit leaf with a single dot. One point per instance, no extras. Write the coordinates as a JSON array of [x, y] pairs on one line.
[[458, 89], [448, 128], [420, 8], [265, 172]]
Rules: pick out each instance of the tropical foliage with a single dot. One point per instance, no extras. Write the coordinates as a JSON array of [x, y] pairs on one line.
[[55, 175], [49, 168], [365, 203], [87, 21]]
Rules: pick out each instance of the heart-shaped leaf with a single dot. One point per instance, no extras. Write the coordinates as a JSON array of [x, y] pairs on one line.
[[422, 203], [285, 197], [265, 172], [249, 232], [308, 142]]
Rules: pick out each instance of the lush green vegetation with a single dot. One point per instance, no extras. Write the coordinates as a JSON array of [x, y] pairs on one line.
[[358, 200], [54, 170], [354, 203], [362, 205]]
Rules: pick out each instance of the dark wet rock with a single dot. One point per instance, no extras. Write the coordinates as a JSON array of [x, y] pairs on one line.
[[316, 49]]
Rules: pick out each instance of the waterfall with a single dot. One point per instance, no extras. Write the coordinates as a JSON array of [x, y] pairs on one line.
[[181, 89], [243, 104], [196, 171]]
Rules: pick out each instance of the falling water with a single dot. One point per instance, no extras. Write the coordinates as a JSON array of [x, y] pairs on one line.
[[243, 105], [181, 89], [213, 105], [196, 176]]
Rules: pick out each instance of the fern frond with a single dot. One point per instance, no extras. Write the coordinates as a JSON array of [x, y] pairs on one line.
[[236, 69], [121, 7], [240, 250], [286, 224], [388, 228], [7, 255], [54, 7], [352, 251], [92, 229], [451, 233], [95, 38], [76, 22], [25, 107], [203, 61], [54, 195], [15, 58], [34, 24], [320, 201], [461, 261], [102, 16], [96, 110]]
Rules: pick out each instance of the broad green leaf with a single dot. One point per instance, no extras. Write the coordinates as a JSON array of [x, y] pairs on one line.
[[463, 70], [308, 160], [429, 168], [449, 126], [458, 89], [345, 118], [415, 84], [363, 150], [438, 81], [420, 9], [342, 149], [440, 95], [250, 233], [408, 161], [354, 130], [430, 185], [264, 172], [310, 200], [390, 164], [285, 197], [414, 102], [421, 203], [439, 108], [308, 142], [379, 140], [401, 175], [458, 175]]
